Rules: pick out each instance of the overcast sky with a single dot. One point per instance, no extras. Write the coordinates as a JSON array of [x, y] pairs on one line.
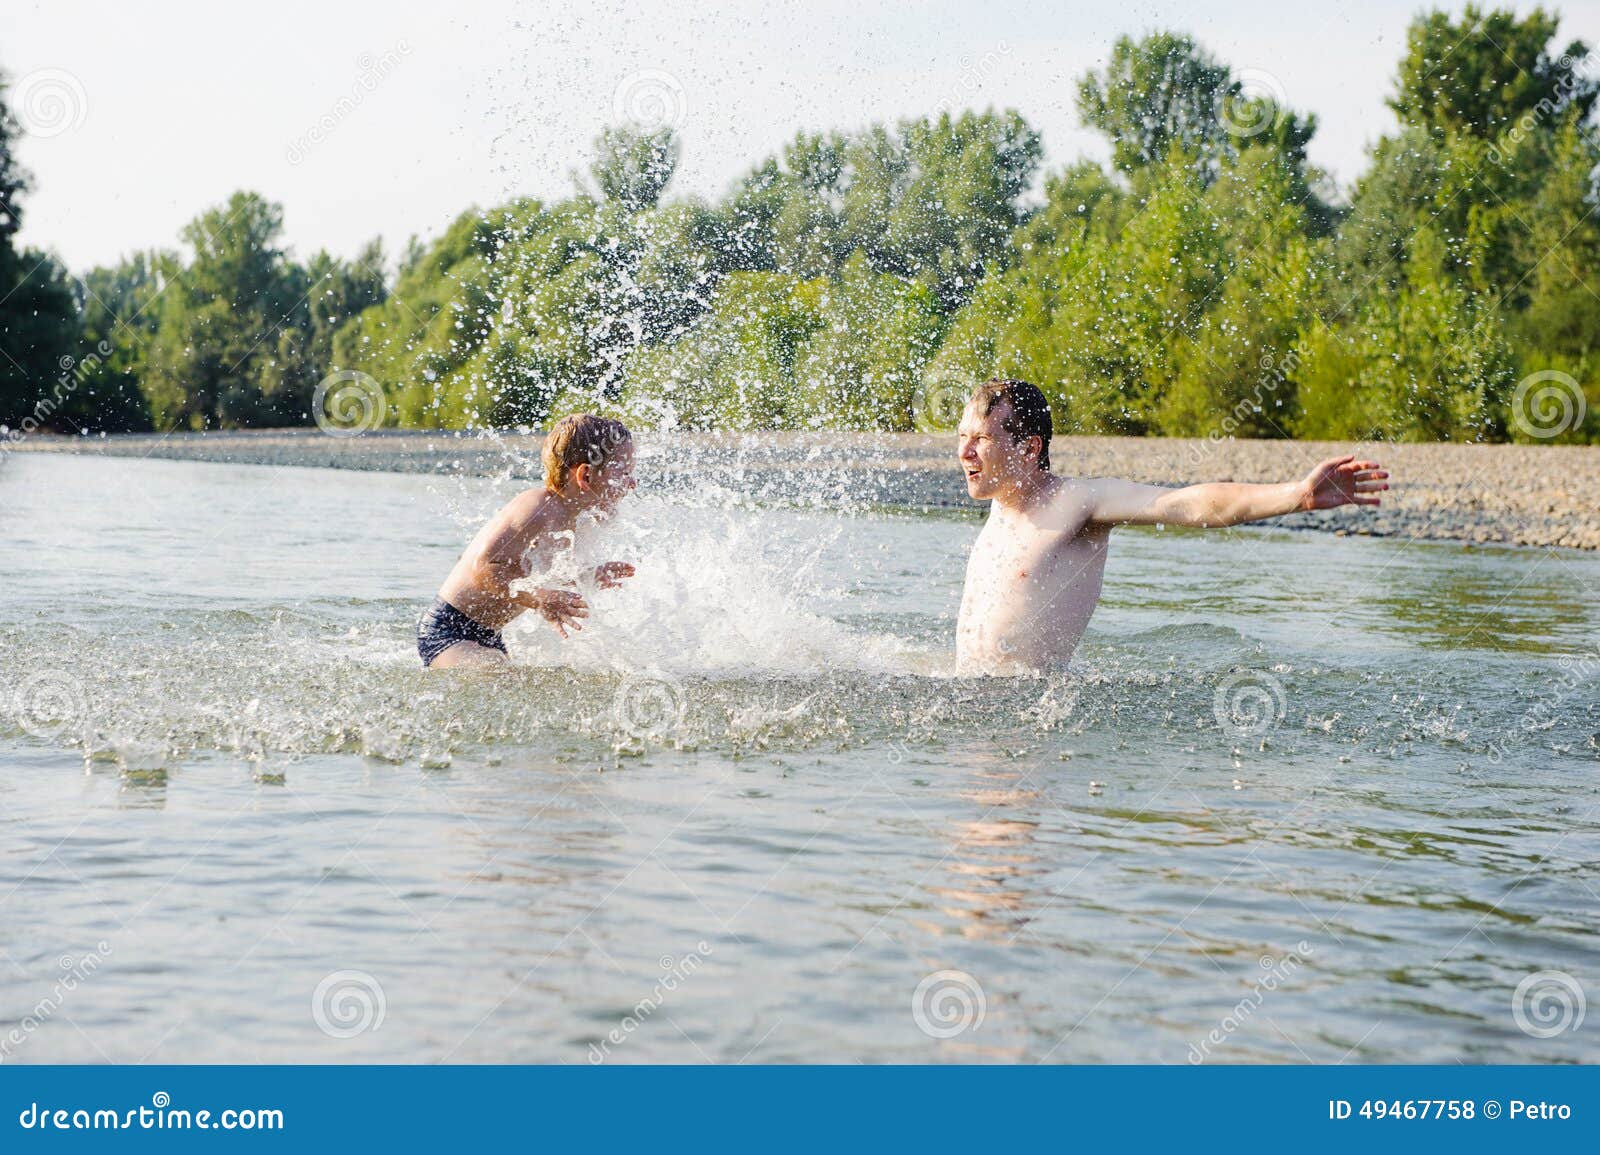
[[391, 118]]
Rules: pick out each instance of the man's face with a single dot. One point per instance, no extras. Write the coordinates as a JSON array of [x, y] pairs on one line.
[[989, 456]]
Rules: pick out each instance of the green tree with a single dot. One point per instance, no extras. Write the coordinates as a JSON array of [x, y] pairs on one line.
[[340, 291], [226, 352], [1474, 229], [861, 366], [1427, 362], [1483, 73], [1172, 308], [633, 168], [1203, 285], [38, 311], [1164, 91], [419, 339], [1557, 255], [736, 369], [120, 316], [1157, 92], [1233, 368], [932, 200]]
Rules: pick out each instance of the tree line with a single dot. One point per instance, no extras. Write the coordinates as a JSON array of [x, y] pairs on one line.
[[1207, 282]]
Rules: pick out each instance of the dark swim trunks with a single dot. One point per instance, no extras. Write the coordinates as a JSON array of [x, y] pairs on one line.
[[444, 625]]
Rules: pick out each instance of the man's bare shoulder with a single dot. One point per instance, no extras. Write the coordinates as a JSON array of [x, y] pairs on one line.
[[1074, 488], [1067, 505], [1089, 487], [1118, 501]]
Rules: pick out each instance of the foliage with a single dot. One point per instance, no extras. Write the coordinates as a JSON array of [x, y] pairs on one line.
[[1204, 284], [780, 352], [1481, 74], [38, 313]]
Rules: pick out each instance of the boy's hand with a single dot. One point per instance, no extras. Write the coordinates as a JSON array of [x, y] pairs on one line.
[[561, 608], [610, 575], [1343, 481]]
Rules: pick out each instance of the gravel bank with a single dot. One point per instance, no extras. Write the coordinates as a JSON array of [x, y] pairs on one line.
[[1516, 494]]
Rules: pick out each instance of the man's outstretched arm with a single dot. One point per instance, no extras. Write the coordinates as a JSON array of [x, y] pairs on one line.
[[1332, 483]]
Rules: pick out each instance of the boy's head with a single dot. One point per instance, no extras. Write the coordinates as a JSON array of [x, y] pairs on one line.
[[589, 460], [1005, 432]]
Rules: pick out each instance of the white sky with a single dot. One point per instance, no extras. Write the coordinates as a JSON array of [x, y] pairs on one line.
[[169, 110]]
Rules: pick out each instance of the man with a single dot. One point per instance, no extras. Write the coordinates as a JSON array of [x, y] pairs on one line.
[[1034, 576], [588, 468]]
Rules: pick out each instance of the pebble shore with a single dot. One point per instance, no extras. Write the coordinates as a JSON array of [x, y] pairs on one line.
[[1534, 495]]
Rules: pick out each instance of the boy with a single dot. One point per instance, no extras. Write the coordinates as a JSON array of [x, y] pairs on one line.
[[588, 468], [1033, 579]]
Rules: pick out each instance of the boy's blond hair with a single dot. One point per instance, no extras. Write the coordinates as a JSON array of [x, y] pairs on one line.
[[581, 439]]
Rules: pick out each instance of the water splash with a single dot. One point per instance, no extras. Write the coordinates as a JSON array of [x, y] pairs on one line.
[[717, 593]]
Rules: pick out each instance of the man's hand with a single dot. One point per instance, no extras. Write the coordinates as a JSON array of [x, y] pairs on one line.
[[610, 575], [1343, 481], [561, 608]]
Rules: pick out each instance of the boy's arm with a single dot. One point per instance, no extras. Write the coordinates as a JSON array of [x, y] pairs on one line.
[[1334, 482], [503, 559]]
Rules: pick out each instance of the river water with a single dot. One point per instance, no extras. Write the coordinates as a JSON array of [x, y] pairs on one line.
[[1301, 797]]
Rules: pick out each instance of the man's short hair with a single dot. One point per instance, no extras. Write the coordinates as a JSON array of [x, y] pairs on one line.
[[1027, 413], [581, 439]]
